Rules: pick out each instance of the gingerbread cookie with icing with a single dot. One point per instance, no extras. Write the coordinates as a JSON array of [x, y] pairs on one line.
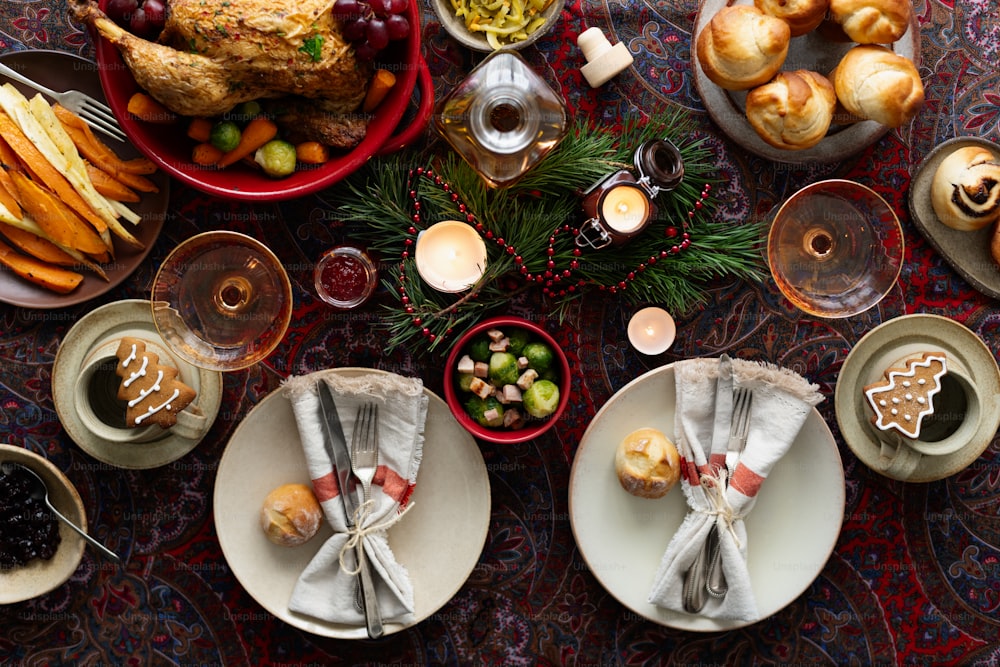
[[151, 391], [906, 395]]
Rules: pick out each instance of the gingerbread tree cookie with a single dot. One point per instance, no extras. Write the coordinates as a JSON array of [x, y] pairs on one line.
[[151, 390], [906, 395]]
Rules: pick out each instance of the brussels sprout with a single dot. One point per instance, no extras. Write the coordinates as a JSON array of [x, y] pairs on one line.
[[464, 380], [517, 339], [277, 157], [550, 374], [225, 135], [479, 348], [479, 409], [541, 399], [539, 356], [244, 112], [503, 369]]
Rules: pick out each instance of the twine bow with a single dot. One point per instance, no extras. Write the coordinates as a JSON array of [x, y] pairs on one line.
[[359, 530], [715, 490]]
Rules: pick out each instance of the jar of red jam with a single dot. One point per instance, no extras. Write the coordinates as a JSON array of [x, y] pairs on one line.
[[345, 277]]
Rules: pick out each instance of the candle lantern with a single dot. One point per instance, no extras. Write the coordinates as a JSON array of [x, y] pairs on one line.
[[450, 256], [620, 206]]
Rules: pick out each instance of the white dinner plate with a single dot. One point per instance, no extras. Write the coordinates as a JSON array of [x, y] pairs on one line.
[[439, 541], [791, 531]]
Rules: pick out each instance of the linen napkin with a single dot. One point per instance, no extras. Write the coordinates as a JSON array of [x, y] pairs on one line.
[[325, 590], [781, 403]]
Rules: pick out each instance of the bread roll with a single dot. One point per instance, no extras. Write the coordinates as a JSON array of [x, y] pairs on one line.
[[872, 21], [742, 47], [647, 463], [794, 111], [291, 515], [874, 83], [802, 16], [965, 190]]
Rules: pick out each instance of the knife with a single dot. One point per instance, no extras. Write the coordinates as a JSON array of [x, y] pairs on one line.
[[338, 451], [696, 580]]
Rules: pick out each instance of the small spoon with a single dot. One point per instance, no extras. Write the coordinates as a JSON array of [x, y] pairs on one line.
[[41, 491]]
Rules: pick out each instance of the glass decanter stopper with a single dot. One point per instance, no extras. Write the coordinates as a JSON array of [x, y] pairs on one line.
[[503, 118]]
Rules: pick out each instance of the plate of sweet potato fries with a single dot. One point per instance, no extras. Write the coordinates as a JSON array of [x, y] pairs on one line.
[[78, 211]]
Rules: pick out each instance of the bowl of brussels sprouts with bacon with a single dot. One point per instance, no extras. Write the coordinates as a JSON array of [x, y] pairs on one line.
[[507, 380]]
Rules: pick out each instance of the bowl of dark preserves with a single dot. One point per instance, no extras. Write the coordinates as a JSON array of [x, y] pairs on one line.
[[37, 551]]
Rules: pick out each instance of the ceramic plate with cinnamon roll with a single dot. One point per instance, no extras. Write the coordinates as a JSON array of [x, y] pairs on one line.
[[955, 203], [765, 70]]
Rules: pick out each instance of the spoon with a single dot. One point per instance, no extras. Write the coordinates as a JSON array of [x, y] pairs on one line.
[[40, 491]]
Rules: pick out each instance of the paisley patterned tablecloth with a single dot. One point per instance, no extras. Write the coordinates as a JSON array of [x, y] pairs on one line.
[[915, 575]]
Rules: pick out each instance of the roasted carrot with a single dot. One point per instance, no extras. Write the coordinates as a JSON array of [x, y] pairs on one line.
[[312, 152], [111, 165], [8, 157], [37, 247], [258, 132], [95, 150], [146, 108], [59, 280], [382, 82], [42, 169], [205, 154], [59, 221], [7, 196], [200, 129], [110, 187]]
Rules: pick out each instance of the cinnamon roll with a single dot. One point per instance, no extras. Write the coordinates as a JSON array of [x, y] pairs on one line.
[[965, 191]]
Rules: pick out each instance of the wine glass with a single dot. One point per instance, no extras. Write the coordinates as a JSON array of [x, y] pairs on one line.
[[222, 301], [835, 248]]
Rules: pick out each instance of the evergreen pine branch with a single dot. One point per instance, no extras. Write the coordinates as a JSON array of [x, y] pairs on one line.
[[378, 204]]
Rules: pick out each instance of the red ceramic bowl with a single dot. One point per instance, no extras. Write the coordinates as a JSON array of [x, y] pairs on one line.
[[170, 148], [533, 428]]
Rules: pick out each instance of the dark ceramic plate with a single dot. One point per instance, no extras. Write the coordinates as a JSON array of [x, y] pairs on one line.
[[812, 52], [64, 71], [967, 252]]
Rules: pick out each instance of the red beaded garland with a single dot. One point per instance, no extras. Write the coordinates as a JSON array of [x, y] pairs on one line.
[[550, 277]]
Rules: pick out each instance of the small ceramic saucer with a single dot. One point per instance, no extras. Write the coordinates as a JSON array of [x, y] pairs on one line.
[[132, 317], [967, 252], [905, 336]]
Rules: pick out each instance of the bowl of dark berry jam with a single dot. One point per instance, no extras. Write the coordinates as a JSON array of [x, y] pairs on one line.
[[37, 551], [345, 277]]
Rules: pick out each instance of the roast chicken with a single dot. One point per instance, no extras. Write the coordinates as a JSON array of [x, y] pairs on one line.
[[214, 54]]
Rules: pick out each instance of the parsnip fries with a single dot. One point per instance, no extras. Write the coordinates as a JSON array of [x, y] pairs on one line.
[[64, 194]]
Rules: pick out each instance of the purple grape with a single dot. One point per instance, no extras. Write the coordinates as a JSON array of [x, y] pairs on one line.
[[156, 13], [382, 8], [397, 26], [366, 51], [355, 30], [120, 11], [377, 34], [139, 24], [347, 9], [399, 6]]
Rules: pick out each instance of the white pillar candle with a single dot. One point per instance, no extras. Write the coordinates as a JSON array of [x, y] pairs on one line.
[[450, 256], [625, 208], [651, 330]]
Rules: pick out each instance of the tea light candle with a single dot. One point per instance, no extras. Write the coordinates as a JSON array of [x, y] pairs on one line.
[[450, 256], [625, 208], [651, 330]]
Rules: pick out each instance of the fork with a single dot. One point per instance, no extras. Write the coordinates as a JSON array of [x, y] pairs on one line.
[[95, 113], [364, 463], [715, 583]]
